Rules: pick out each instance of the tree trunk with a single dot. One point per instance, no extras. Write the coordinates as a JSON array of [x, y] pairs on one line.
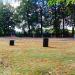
[[41, 22], [55, 23], [63, 26], [28, 22], [73, 31]]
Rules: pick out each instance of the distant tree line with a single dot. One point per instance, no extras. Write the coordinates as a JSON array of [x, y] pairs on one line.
[[36, 18]]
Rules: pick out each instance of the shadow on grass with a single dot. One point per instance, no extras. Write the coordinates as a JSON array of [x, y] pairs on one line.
[[51, 47]]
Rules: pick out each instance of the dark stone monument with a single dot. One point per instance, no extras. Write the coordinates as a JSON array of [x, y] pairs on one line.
[[45, 42], [11, 42]]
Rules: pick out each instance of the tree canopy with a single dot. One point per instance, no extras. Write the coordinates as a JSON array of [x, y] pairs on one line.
[[53, 2], [38, 17]]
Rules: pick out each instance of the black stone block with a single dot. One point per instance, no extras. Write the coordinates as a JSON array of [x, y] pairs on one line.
[[45, 42], [11, 42]]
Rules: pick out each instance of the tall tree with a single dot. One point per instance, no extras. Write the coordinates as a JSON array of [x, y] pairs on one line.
[[6, 20], [27, 13], [71, 8], [61, 8]]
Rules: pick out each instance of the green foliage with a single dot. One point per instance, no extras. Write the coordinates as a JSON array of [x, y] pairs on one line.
[[27, 14], [6, 20], [34, 18], [53, 2]]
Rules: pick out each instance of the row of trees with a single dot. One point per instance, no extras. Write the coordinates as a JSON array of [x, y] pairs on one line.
[[65, 10], [38, 18]]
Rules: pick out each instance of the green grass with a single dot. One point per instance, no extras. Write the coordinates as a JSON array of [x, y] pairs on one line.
[[36, 60]]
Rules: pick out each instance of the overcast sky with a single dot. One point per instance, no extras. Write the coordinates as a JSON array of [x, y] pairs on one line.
[[10, 1], [14, 3]]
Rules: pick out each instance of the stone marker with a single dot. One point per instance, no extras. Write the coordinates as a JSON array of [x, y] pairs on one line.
[[45, 42], [11, 42]]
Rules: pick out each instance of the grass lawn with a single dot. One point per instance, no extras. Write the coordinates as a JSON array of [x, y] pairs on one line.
[[28, 57]]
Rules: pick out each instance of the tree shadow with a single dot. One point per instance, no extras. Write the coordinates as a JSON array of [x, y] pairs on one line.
[[51, 47]]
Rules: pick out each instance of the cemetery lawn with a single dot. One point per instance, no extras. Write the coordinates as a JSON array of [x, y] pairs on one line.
[[28, 57]]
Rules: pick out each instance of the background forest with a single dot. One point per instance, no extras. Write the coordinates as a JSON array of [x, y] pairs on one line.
[[38, 18]]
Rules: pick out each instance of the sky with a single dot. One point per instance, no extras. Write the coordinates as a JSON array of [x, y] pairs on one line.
[[13, 3], [10, 1]]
